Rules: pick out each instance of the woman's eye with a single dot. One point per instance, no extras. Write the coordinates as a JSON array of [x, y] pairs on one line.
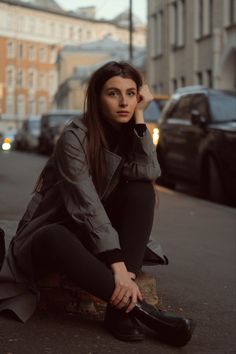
[[112, 93], [131, 93]]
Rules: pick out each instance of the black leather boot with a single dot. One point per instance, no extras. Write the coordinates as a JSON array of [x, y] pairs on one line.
[[170, 328], [123, 326]]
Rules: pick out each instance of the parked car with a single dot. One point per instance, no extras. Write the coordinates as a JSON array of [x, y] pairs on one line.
[[152, 115], [52, 124], [198, 141], [27, 137]]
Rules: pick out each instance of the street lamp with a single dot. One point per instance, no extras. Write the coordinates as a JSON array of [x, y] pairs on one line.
[[130, 32]]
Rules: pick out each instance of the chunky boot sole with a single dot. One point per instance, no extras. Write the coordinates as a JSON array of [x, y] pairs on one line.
[[123, 326], [169, 328], [125, 337]]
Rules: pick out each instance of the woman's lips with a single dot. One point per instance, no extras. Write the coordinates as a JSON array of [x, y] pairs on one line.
[[123, 113]]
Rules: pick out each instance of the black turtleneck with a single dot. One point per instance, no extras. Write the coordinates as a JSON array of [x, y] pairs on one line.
[[117, 140]]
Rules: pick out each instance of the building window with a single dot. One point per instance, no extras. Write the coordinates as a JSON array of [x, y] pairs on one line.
[[209, 78], [20, 106], [52, 83], [32, 53], [200, 18], [79, 34], [10, 77], [20, 78], [153, 30], [174, 85], [160, 33], [31, 109], [210, 16], [42, 81], [62, 31], [42, 55], [177, 23], [71, 32], [10, 104], [42, 105], [10, 49], [53, 55], [21, 50], [52, 29], [182, 81], [204, 20], [31, 25], [160, 88], [199, 78], [232, 12], [32, 79]]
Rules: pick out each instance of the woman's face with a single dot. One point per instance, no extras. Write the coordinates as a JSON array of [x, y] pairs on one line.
[[119, 98]]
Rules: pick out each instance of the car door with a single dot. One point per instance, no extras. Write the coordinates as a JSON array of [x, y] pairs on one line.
[[196, 133], [173, 140]]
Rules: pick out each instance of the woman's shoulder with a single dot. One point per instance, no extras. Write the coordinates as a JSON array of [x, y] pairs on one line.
[[79, 122], [76, 126]]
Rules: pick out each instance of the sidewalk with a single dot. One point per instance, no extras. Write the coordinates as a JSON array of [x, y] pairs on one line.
[[199, 238]]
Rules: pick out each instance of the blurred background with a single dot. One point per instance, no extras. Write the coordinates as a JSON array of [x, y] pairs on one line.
[[185, 50]]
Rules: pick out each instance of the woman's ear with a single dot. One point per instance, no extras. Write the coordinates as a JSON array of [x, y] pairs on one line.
[[139, 97]]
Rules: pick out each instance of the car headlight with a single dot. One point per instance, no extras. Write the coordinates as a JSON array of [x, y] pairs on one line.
[[6, 145], [155, 136]]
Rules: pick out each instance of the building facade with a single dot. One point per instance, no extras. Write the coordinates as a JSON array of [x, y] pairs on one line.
[[31, 36], [191, 42], [75, 64]]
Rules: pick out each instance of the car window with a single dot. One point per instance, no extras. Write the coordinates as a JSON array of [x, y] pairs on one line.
[[34, 124], [152, 112], [56, 119], [223, 106], [182, 109], [199, 103]]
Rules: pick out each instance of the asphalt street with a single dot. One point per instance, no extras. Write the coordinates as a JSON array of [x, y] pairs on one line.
[[199, 239]]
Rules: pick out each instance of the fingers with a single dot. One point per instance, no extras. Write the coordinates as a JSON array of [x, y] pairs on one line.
[[120, 296], [146, 93], [126, 298]]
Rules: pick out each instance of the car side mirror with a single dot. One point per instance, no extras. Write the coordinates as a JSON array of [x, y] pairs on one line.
[[197, 118]]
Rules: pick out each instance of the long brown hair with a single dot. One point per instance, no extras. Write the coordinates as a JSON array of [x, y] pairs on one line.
[[93, 115]]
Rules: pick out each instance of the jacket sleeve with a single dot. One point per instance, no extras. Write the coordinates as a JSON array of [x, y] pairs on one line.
[[141, 162], [79, 194]]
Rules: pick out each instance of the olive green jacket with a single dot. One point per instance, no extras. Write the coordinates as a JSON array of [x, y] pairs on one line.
[[66, 192]]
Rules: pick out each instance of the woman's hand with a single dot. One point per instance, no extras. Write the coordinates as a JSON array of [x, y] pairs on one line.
[[126, 293], [144, 98]]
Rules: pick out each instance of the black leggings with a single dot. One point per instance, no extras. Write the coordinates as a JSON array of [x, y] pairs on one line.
[[55, 248]]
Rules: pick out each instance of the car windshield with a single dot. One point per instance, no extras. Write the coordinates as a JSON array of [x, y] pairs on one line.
[[223, 106], [34, 124], [152, 112], [56, 119]]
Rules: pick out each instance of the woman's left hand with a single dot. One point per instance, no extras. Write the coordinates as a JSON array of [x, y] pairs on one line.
[[144, 98]]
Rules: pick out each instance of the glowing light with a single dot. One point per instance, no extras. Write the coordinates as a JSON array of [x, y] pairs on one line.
[[7, 140], [155, 136], [6, 146]]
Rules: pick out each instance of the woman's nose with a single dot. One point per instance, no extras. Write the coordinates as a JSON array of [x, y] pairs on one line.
[[123, 101]]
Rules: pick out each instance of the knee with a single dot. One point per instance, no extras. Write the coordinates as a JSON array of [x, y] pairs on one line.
[[140, 192], [47, 237]]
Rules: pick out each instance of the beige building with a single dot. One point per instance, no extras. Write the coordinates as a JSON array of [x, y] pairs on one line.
[[191, 42], [31, 34], [75, 65]]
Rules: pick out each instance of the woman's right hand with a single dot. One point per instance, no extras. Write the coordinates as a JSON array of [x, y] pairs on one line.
[[126, 292]]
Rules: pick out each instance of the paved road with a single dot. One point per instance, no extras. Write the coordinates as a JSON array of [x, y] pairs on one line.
[[199, 238]]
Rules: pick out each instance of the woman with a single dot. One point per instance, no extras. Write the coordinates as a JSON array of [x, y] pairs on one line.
[[92, 212]]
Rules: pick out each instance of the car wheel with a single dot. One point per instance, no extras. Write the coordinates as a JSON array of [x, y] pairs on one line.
[[214, 182]]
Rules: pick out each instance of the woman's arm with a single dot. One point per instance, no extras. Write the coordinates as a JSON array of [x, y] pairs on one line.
[[79, 193]]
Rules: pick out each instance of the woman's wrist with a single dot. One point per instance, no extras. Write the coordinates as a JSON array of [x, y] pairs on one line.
[[139, 117], [118, 266]]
